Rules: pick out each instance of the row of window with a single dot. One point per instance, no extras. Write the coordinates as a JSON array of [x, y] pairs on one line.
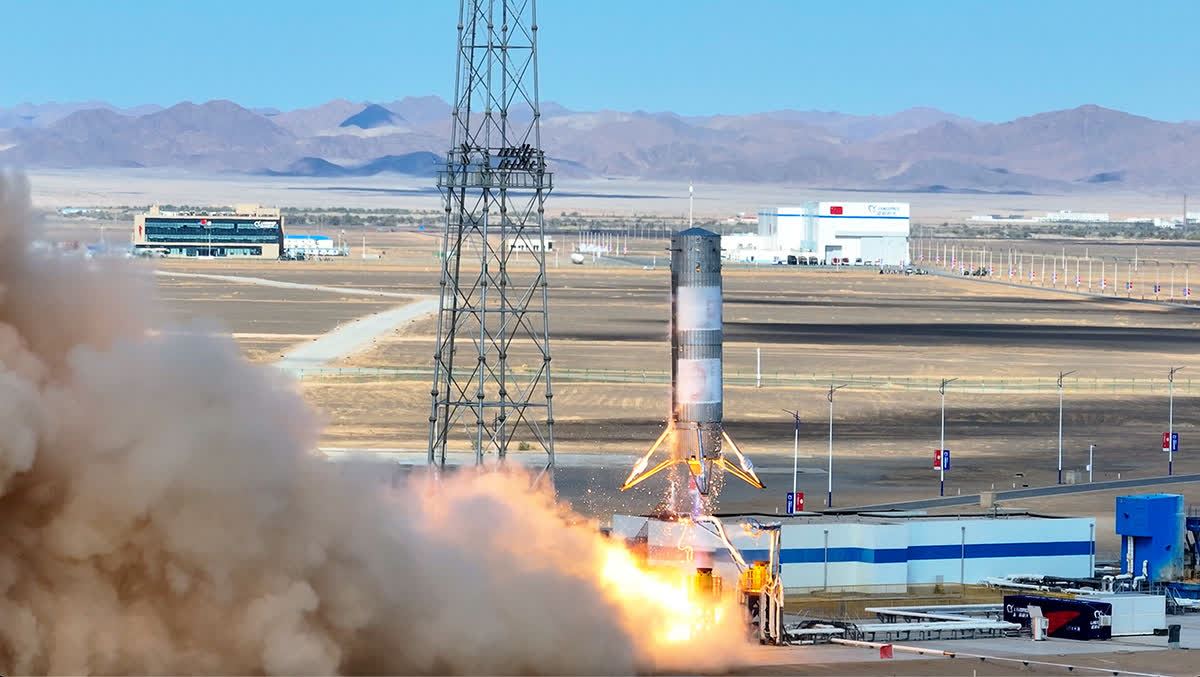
[[207, 223], [209, 236], [213, 251]]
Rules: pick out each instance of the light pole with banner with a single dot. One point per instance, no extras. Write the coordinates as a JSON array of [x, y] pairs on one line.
[[832, 390], [1171, 442], [1061, 376], [942, 444], [795, 448]]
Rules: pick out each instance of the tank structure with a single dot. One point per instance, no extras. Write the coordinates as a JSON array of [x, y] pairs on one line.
[[695, 436]]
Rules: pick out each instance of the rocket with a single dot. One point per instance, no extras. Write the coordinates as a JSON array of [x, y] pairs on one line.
[[695, 436]]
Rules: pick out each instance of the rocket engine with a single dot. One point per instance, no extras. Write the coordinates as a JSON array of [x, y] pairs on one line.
[[695, 436]]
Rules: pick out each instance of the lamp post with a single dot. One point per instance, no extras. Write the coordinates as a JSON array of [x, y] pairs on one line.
[[1171, 420], [795, 449], [832, 390], [1091, 455], [942, 444], [1061, 375]]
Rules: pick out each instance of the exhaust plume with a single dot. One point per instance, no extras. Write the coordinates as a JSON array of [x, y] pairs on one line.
[[161, 512]]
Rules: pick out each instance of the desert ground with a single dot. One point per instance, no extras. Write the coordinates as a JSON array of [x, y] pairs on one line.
[[73, 188], [891, 338]]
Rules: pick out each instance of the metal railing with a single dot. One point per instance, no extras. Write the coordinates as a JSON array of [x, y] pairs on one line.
[[1100, 385]]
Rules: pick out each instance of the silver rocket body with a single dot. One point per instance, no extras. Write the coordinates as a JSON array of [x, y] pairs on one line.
[[696, 335], [695, 435]]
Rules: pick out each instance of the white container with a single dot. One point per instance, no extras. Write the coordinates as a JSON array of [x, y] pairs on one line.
[[1134, 613]]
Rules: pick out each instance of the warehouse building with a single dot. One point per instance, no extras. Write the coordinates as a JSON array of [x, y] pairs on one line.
[[248, 231], [838, 232], [881, 553]]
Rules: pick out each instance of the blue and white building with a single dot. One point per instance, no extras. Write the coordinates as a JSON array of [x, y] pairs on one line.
[[311, 245], [878, 553], [838, 232]]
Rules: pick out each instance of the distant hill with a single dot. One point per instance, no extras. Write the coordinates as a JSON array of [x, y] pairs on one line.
[[1084, 148], [373, 117], [304, 122], [414, 164]]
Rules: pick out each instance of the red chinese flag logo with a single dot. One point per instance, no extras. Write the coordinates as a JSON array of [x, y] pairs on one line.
[[835, 210]]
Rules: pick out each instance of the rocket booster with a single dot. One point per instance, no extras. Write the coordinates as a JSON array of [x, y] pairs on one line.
[[695, 436]]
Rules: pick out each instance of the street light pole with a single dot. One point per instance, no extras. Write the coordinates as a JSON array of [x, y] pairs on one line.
[[942, 444], [829, 498], [1171, 420], [795, 449], [1061, 375], [1091, 453]]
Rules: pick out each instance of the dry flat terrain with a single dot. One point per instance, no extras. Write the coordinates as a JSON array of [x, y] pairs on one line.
[[890, 337], [56, 188]]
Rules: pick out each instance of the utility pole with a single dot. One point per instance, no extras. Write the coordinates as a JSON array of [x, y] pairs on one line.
[[1061, 375], [832, 390], [1171, 420], [691, 197]]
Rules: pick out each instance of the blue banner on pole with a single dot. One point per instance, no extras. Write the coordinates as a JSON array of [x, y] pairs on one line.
[[945, 459], [791, 503], [1174, 441]]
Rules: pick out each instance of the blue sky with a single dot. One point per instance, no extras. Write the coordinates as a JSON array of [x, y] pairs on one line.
[[992, 60]]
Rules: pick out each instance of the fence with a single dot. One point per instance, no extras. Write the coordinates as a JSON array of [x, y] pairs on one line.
[[1113, 385], [1126, 277]]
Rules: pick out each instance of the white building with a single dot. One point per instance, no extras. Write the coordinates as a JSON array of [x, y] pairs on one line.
[[878, 553], [311, 245], [1068, 216], [858, 232], [528, 244]]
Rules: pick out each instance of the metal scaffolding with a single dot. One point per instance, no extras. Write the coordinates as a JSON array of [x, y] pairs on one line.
[[491, 365]]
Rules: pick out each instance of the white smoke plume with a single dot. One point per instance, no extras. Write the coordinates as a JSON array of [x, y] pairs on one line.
[[160, 513]]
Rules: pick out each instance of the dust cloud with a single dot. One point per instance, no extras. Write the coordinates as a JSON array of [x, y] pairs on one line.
[[160, 513]]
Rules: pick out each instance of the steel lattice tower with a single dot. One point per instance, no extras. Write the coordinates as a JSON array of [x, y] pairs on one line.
[[491, 365]]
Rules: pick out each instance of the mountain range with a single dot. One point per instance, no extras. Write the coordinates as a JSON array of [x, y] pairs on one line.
[[920, 149]]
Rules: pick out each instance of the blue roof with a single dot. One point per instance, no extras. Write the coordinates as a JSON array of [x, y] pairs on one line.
[[308, 237]]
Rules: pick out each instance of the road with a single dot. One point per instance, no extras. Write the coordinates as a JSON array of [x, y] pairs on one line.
[[1035, 492], [351, 338], [345, 340], [264, 282]]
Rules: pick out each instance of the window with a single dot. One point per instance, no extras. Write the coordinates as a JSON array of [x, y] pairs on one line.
[[215, 231]]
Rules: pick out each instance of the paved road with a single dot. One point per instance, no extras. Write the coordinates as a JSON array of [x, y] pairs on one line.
[[1035, 492], [287, 285], [350, 338], [345, 340]]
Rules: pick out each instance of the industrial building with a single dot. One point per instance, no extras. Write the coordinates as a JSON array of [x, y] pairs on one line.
[[834, 233], [248, 231], [1068, 216], [880, 553]]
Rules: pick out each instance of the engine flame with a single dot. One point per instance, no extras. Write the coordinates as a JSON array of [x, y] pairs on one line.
[[665, 594]]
